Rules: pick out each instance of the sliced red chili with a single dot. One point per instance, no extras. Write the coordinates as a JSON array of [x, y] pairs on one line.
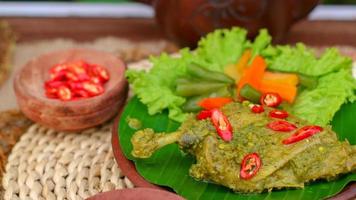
[[100, 72], [250, 165], [302, 133], [95, 80], [82, 79], [255, 108], [52, 93], [204, 114], [222, 124], [280, 114], [81, 93], [92, 88], [271, 99], [78, 67], [75, 85], [64, 93], [57, 68], [54, 84], [282, 126], [60, 76]]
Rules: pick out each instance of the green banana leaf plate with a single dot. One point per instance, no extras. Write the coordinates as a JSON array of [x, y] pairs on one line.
[[169, 166]]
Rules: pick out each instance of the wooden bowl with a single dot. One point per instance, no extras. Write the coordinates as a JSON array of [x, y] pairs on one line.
[[70, 115]]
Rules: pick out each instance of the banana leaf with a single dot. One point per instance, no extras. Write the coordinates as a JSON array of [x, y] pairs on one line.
[[169, 166]]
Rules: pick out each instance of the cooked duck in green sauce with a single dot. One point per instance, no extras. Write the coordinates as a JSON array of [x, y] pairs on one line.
[[251, 151]]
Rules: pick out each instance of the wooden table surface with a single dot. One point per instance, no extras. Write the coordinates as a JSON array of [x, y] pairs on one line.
[[86, 29]]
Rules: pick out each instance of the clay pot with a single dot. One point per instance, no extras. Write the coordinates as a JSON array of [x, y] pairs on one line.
[[185, 21], [70, 115]]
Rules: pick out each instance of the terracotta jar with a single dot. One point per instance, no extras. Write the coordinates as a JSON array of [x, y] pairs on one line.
[[185, 21]]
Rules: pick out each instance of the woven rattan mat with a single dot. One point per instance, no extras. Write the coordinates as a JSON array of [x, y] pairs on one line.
[[46, 164]]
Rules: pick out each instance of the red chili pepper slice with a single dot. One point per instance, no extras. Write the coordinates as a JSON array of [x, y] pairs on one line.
[[280, 114], [222, 125], [250, 165], [204, 114], [60, 76], [92, 88], [52, 93], [71, 76], [64, 93], [75, 85], [80, 78], [95, 80], [78, 67], [100, 72], [54, 84], [271, 99], [57, 68], [282, 126], [255, 108], [81, 93], [302, 133]]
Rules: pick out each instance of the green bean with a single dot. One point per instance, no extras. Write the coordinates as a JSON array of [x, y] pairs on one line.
[[250, 93], [308, 81], [205, 74], [191, 105], [197, 88], [184, 80]]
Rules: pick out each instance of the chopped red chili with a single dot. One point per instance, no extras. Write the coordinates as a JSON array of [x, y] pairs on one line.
[[76, 80], [100, 72], [204, 114], [222, 124], [255, 108], [64, 93], [92, 88], [282, 126], [250, 165], [280, 114], [302, 133], [271, 99]]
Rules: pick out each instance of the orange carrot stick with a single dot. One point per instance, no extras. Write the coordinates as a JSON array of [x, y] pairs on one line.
[[281, 78], [214, 102], [287, 92], [254, 74]]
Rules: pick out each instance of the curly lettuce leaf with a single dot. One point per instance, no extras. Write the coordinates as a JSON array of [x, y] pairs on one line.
[[302, 60], [262, 41], [319, 105], [221, 47], [156, 87]]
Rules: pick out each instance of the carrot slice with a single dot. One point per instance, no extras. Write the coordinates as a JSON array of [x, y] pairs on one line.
[[286, 91], [281, 78], [254, 74], [214, 102]]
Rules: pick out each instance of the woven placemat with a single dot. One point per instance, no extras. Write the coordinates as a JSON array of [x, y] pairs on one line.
[[47, 164]]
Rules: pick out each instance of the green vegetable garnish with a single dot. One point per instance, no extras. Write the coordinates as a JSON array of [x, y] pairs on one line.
[[250, 93], [327, 79]]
